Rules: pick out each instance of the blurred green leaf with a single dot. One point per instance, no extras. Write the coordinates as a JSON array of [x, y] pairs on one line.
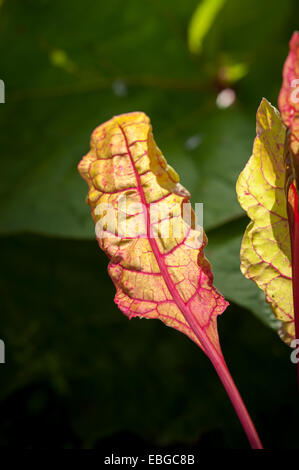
[[230, 73], [201, 21]]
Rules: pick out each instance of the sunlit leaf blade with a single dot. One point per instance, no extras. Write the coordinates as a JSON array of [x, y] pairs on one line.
[[266, 247], [156, 250], [289, 94], [160, 267]]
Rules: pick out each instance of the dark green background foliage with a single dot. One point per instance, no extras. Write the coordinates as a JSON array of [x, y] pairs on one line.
[[77, 372]]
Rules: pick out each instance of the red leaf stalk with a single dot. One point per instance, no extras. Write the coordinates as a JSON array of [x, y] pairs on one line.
[[294, 233]]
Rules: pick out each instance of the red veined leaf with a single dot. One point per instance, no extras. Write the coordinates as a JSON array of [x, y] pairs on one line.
[[265, 251], [156, 252], [267, 189]]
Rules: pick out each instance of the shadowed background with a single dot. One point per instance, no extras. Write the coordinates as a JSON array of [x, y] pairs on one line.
[[78, 374]]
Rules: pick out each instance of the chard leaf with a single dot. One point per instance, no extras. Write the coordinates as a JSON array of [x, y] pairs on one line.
[[268, 190], [266, 248], [156, 253]]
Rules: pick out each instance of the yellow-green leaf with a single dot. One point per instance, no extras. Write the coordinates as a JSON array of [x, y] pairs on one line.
[[266, 247]]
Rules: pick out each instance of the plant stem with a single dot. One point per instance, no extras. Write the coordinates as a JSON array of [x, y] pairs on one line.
[[238, 404], [229, 385], [295, 277], [294, 233]]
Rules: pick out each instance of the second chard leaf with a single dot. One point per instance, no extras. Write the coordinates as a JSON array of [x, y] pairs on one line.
[[156, 252], [267, 190], [266, 249]]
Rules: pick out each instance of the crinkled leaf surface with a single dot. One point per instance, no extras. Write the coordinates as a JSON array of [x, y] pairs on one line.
[[155, 248], [266, 247], [223, 252], [157, 273]]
